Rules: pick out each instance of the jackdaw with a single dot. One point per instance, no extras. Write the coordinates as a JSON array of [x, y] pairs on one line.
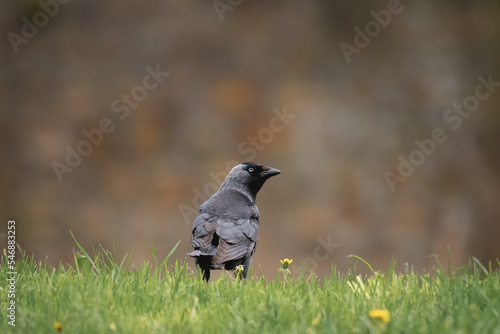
[[226, 229]]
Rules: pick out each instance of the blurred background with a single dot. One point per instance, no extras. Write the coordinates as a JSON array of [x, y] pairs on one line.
[[263, 81]]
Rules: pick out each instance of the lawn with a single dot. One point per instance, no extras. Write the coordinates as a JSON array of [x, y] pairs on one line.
[[98, 295]]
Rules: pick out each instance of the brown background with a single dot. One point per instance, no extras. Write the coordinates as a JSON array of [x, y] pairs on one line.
[[352, 121]]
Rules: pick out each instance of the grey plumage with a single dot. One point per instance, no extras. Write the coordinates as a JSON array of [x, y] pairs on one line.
[[226, 229]]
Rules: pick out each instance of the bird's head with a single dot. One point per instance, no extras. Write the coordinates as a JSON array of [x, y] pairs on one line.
[[249, 176]]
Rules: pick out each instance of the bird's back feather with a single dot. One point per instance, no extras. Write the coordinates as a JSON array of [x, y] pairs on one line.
[[225, 229]]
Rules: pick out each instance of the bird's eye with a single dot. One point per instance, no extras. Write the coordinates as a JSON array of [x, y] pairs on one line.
[[251, 169]]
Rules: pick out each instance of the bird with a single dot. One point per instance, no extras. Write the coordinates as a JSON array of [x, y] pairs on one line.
[[226, 229]]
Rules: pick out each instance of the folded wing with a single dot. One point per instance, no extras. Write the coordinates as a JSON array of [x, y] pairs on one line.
[[223, 238]]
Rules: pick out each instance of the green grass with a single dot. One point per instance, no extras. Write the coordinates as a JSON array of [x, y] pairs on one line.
[[98, 295]]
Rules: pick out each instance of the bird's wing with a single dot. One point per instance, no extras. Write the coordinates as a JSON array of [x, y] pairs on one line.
[[202, 238], [237, 238], [226, 228]]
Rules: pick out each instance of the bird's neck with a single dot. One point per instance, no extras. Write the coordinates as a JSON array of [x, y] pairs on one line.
[[244, 189]]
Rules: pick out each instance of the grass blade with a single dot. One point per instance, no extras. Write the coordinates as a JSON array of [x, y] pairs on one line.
[[364, 261], [84, 252], [164, 262], [480, 265]]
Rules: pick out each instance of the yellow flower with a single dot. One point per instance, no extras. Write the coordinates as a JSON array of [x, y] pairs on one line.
[[57, 325], [286, 263], [382, 315], [112, 326], [239, 270], [315, 321]]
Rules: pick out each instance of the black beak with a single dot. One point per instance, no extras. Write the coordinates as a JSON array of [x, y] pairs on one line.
[[268, 172]]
